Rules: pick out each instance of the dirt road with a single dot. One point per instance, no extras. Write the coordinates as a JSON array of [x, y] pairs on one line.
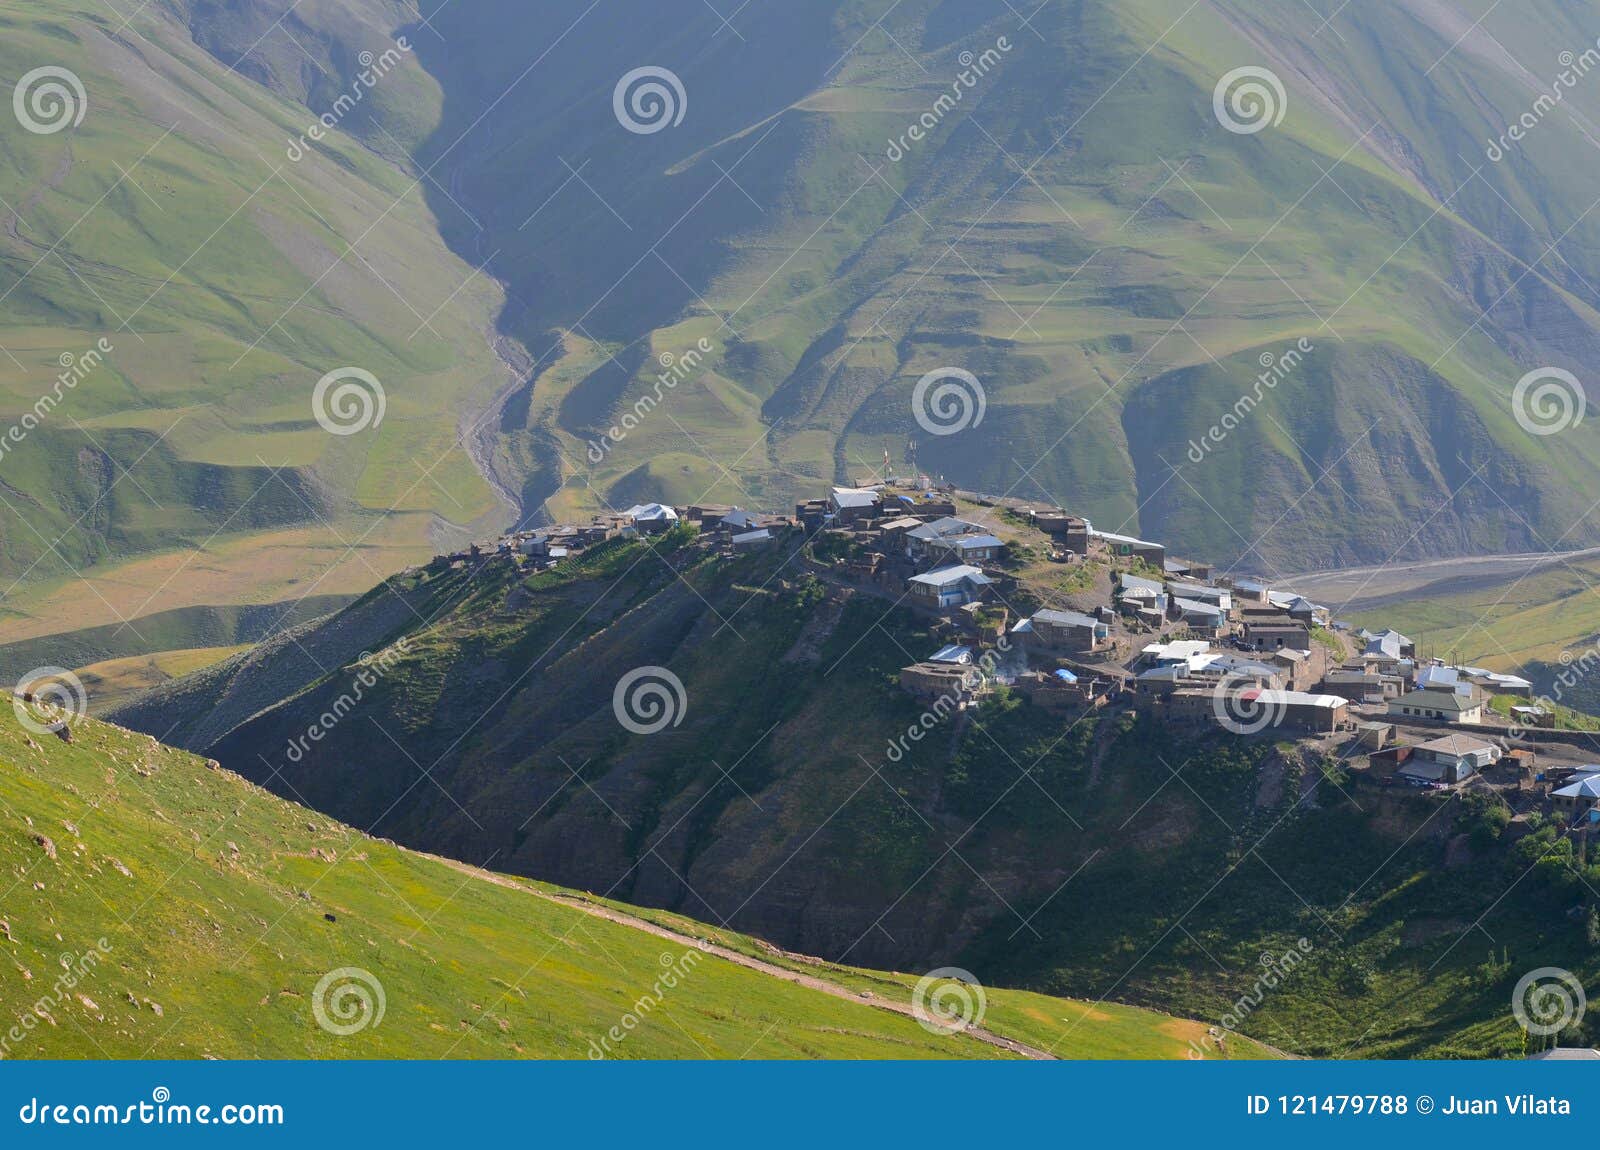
[[810, 981], [1357, 587]]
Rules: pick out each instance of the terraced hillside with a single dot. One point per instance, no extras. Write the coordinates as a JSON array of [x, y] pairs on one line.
[[1076, 227], [474, 713], [1080, 230], [157, 907], [201, 274]]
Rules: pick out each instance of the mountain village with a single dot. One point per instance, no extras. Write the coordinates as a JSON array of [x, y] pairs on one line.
[[1038, 601]]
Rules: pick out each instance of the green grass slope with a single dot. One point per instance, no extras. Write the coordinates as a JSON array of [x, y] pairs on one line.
[[1078, 230], [213, 910], [226, 277], [1106, 860]]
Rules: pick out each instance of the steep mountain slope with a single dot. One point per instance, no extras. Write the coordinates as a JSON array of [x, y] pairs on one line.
[[1079, 229], [179, 269], [157, 908], [1101, 858]]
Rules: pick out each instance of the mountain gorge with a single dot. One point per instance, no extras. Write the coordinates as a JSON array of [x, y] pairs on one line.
[[1294, 331], [1078, 230], [1050, 202]]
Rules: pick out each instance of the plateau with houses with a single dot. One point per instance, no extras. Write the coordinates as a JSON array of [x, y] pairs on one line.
[[1036, 600]]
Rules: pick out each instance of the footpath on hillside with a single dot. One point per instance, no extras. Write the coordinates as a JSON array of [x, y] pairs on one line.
[[809, 981]]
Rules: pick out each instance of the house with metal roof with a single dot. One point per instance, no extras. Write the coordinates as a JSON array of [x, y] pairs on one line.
[[1216, 596], [1253, 589], [1298, 710], [1203, 618], [1450, 759], [1126, 546], [848, 504], [964, 548], [1064, 631], [1390, 645], [752, 540], [651, 518], [1134, 584], [1440, 706], [920, 540], [739, 520], [1579, 795], [947, 587], [1500, 684]]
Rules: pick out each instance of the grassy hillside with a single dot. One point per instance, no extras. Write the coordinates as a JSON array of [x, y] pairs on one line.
[[1542, 623], [204, 275], [213, 910], [1106, 860], [1078, 230]]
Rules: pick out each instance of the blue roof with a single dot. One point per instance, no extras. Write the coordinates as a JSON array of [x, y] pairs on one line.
[[1066, 676]]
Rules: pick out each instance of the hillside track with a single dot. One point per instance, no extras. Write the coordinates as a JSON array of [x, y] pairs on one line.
[[1366, 587], [811, 982]]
